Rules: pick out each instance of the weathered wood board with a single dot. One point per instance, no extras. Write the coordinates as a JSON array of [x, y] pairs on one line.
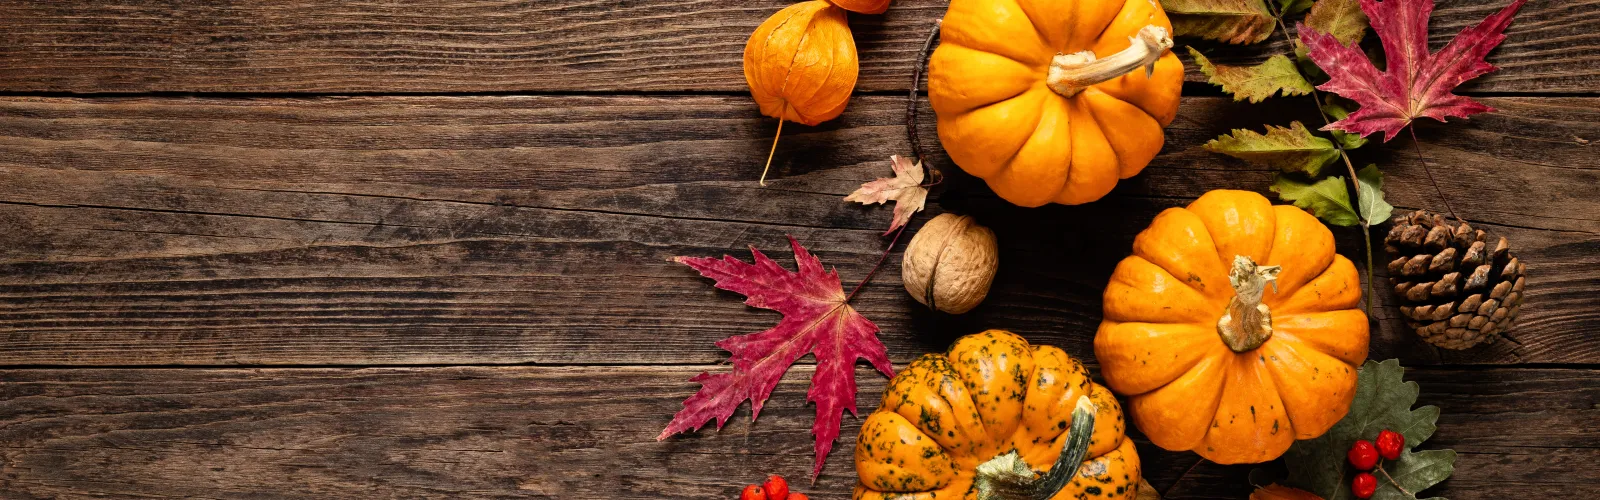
[[568, 45], [422, 249], [402, 230], [578, 432]]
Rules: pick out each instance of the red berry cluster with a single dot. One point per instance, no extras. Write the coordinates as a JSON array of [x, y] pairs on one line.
[[774, 489], [1364, 456]]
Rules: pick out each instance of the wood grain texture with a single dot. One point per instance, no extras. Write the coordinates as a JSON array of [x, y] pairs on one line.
[[589, 432], [440, 230], [566, 45]]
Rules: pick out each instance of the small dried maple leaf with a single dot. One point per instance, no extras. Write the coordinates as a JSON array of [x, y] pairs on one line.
[[816, 319], [905, 189], [1414, 82]]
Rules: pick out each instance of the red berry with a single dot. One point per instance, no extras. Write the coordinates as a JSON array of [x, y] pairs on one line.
[[1389, 444], [752, 492], [1363, 455], [1364, 485], [776, 488], [798, 496]]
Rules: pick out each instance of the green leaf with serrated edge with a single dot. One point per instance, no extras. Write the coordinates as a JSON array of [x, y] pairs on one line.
[[1231, 21], [1341, 18], [1254, 83], [1326, 199], [1308, 67], [1383, 400], [1369, 196], [1292, 149], [1414, 472], [1288, 8], [1336, 111]]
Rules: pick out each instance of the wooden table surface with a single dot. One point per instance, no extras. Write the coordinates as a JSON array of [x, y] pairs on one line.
[[382, 249]]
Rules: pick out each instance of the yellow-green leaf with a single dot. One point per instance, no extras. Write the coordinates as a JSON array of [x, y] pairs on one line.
[[1369, 196], [1346, 140], [1288, 8], [1231, 21], [1254, 83], [1326, 199], [1341, 18], [1291, 149]]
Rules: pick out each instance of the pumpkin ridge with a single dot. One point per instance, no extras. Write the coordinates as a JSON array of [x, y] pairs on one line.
[[1044, 38], [1096, 88], [1305, 419], [1186, 282], [1063, 113], [1087, 109], [1110, 21], [1008, 58], [1038, 117]]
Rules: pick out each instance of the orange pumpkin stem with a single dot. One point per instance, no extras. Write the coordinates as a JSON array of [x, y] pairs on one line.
[[1071, 73], [1247, 323]]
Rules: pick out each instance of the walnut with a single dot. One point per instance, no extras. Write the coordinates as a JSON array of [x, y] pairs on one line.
[[950, 263]]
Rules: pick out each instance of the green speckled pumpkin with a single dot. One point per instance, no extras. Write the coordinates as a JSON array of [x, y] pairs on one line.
[[991, 394]]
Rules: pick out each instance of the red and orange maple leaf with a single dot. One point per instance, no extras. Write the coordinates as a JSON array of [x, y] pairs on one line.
[[905, 189], [1414, 82], [816, 319]]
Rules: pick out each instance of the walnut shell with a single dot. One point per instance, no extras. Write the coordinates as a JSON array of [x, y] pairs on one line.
[[950, 263]]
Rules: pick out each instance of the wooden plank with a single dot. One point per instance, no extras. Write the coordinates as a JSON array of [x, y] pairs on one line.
[[564, 45], [589, 432], [402, 230]]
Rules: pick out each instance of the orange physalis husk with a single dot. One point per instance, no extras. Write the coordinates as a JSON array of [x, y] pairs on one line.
[[801, 65], [863, 6]]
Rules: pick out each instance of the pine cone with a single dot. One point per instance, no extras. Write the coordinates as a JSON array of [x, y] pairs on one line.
[[1455, 289]]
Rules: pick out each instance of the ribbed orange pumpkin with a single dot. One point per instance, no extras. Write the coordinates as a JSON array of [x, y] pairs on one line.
[[1237, 363], [1036, 96], [948, 416]]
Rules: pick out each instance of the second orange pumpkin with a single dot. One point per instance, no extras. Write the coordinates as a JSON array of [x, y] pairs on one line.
[[1233, 328], [1054, 100]]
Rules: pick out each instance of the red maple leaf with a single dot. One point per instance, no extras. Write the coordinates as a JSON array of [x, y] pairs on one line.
[[1414, 83], [816, 319]]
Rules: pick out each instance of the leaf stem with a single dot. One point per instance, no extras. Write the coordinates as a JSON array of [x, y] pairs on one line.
[[1355, 194], [1392, 481], [916, 151], [881, 258], [1420, 158]]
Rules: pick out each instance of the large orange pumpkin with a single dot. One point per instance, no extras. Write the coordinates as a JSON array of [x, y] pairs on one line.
[[1233, 328], [953, 424], [1046, 100]]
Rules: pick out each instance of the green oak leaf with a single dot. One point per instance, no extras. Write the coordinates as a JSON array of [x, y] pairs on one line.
[[1383, 400], [1415, 472], [1231, 21], [1255, 83], [1292, 149], [1369, 196], [1337, 112], [1326, 199]]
